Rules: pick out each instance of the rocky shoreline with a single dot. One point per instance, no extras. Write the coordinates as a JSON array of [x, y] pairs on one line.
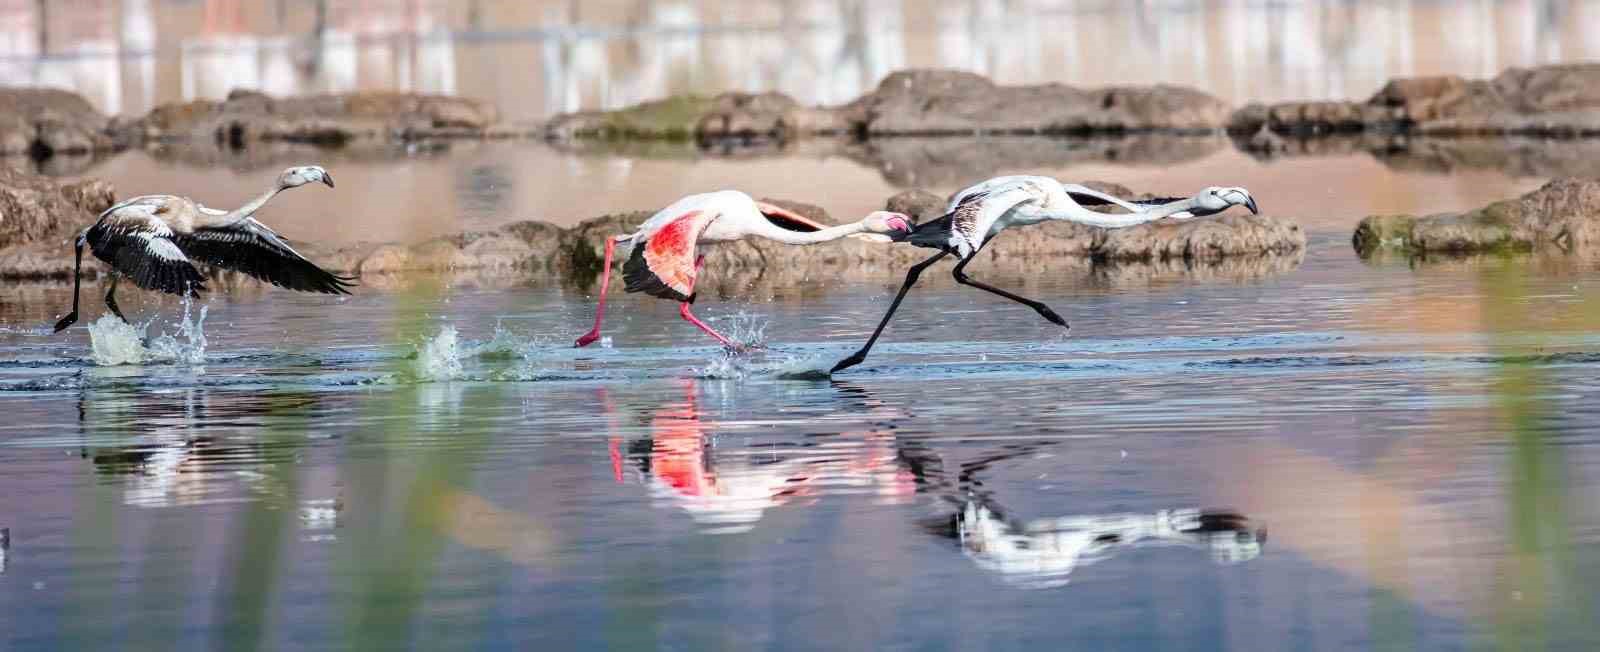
[[1560, 101], [42, 217], [1556, 101], [1563, 217]]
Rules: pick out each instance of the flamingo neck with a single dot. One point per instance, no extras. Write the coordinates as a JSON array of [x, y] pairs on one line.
[[774, 232], [248, 210]]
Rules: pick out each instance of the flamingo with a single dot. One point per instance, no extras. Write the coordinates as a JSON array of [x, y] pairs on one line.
[[151, 240], [979, 213], [661, 259]]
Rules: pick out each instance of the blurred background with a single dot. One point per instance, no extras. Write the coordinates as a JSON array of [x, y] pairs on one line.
[[538, 57]]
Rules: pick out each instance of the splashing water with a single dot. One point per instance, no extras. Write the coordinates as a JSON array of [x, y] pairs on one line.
[[439, 357], [787, 367], [443, 357], [747, 329], [116, 342]]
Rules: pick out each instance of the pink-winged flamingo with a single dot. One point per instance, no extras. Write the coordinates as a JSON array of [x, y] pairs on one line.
[[661, 259], [979, 213], [155, 239]]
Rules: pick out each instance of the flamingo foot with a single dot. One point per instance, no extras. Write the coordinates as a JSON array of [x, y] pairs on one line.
[[587, 339]]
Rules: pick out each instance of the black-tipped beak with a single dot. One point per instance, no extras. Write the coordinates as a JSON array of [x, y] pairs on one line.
[[328, 179], [1250, 203]]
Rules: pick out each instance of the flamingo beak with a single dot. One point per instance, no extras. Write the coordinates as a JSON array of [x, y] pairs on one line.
[[899, 223], [328, 179], [1250, 203]]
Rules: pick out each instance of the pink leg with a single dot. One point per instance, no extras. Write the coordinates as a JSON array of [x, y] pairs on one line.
[[600, 311], [683, 309]]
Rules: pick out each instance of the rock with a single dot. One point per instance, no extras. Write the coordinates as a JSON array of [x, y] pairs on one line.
[[1563, 215], [674, 118], [1547, 101], [939, 102], [44, 121], [40, 209], [1211, 238], [963, 160], [913, 102], [247, 116], [39, 217]]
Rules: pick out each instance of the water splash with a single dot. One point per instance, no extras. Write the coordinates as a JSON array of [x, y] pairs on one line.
[[439, 357], [444, 356], [747, 329], [740, 366], [115, 342]]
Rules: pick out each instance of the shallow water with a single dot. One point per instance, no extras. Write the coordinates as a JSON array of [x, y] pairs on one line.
[[1413, 448], [1391, 454]]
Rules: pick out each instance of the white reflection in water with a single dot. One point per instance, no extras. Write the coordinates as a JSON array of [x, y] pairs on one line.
[[1043, 552]]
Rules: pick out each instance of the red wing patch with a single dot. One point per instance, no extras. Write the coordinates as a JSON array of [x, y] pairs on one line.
[[670, 251]]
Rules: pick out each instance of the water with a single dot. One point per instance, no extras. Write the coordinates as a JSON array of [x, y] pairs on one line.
[[1412, 448], [1303, 453]]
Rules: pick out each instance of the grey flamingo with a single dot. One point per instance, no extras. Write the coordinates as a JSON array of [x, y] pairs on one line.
[[979, 213], [155, 240]]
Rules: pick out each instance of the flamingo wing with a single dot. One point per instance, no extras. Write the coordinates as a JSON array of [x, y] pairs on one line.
[[977, 214], [786, 219], [252, 248], [662, 261], [133, 238], [1085, 196]]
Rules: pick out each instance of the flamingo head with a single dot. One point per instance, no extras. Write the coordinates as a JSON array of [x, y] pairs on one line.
[[888, 223], [301, 175], [1216, 200]]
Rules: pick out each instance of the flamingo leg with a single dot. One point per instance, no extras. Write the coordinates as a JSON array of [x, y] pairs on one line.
[[600, 310], [1043, 310], [683, 309], [911, 279], [111, 298], [77, 282]]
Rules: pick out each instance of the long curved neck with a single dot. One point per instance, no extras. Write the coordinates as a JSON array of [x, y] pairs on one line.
[[1082, 215], [772, 231], [244, 212]]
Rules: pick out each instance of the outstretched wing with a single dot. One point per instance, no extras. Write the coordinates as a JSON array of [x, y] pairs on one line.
[[784, 218], [662, 263], [252, 248], [975, 216], [132, 237], [1086, 196]]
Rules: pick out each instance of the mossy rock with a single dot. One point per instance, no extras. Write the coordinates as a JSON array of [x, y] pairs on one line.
[[1383, 232]]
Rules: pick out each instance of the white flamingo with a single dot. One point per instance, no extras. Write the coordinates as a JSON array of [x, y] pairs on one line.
[[151, 240], [661, 257], [979, 213]]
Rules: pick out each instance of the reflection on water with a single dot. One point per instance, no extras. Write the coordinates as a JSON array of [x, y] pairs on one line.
[[1413, 476], [127, 55], [1043, 552], [726, 488]]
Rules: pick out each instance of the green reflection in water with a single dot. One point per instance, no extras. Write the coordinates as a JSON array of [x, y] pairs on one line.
[[1541, 599]]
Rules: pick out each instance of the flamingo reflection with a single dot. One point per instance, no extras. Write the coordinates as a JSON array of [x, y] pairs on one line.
[[727, 488], [1043, 552]]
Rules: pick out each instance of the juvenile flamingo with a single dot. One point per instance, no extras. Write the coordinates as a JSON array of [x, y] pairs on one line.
[[661, 259], [151, 239], [979, 213]]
